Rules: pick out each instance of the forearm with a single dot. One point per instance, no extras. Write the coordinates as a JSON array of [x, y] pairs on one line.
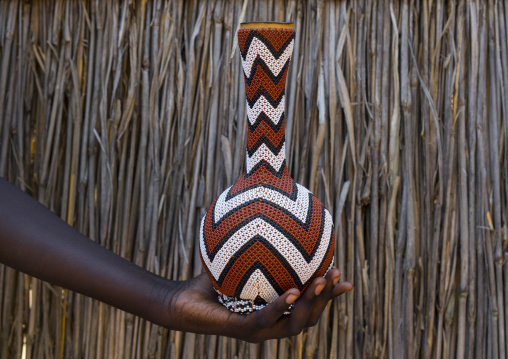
[[37, 242]]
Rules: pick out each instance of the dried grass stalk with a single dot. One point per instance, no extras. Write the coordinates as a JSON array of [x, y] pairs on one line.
[[128, 118]]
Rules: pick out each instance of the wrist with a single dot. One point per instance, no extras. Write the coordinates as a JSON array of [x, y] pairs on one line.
[[162, 302]]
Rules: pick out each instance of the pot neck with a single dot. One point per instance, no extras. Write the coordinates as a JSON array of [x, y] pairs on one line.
[[265, 53]]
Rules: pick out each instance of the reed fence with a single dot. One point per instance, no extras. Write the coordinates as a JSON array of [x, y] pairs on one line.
[[127, 118]]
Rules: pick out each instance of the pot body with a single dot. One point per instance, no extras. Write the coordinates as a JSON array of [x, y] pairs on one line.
[[266, 233]]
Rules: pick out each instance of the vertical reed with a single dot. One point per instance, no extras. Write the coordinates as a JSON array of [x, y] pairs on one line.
[[128, 118]]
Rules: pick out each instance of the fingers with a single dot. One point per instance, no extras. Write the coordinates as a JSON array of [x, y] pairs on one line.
[[270, 323], [310, 305], [323, 293], [337, 288], [269, 315], [341, 288]]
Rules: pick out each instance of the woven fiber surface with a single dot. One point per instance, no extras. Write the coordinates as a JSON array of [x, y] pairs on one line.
[[266, 233]]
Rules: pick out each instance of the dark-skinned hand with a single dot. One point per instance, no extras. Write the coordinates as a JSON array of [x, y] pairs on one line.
[[197, 309], [37, 242]]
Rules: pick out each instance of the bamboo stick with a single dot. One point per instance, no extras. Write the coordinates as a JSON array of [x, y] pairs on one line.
[[494, 130], [4, 68], [463, 197]]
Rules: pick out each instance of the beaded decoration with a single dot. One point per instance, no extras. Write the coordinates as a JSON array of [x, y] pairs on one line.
[[266, 233]]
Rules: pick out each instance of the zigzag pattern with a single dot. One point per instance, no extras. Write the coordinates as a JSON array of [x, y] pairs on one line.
[[261, 48], [266, 233], [263, 153], [265, 62], [265, 74], [298, 205], [262, 118], [263, 141], [254, 230], [273, 110]]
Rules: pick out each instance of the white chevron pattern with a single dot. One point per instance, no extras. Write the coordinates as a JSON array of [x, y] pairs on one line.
[[263, 105], [282, 244], [264, 153], [259, 285], [298, 208], [253, 244], [257, 47]]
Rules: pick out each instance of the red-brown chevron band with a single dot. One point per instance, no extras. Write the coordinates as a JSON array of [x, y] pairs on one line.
[[266, 233]]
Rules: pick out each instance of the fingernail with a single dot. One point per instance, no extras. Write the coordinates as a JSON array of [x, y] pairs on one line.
[[319, 289], [336, 280], [291, 298]]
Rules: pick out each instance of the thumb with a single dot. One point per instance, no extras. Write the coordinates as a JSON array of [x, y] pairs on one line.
[[268, 316]]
